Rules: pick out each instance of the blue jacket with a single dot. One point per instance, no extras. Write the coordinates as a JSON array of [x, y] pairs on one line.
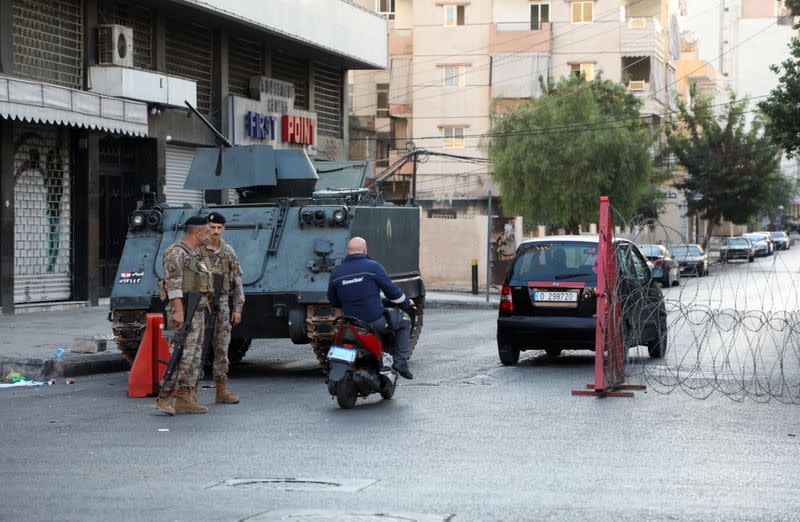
[[355, 287]]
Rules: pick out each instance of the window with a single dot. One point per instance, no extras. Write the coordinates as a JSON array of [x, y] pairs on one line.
[[453, 15], [385, 7], [582, 12], [540, 13], [454, 76], [453, 137], [583, 69], [383, 100]]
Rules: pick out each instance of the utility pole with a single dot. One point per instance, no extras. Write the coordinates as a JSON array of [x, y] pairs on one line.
[[489, 248]]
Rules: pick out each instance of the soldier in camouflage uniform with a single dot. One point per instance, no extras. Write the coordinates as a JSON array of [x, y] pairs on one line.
[[221, 259], [184, 271]]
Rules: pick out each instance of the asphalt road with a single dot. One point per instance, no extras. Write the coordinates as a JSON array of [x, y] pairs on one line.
[[467, 439]]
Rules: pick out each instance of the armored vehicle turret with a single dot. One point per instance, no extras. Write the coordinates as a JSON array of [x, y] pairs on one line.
[[290, 227]]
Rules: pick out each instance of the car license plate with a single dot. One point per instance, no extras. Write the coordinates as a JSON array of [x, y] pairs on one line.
[[338, 353], [555, 297]]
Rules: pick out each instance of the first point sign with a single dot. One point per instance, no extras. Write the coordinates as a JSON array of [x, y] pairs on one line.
[[297, 129]]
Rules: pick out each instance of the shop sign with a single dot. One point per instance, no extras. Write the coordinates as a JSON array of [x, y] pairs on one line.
[[297, 129], [260, 126]]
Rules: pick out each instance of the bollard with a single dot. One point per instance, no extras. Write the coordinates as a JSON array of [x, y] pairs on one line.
[[474, 276]]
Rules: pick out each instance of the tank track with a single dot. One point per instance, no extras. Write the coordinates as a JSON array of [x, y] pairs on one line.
[[128, 327], [319, 328]]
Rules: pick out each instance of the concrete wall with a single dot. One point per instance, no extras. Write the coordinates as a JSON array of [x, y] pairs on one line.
[[447, 248]]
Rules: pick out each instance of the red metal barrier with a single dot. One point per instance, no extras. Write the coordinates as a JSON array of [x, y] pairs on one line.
[[151, 360], [609, 347]]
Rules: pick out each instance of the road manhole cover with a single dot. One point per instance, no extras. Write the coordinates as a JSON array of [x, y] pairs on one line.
[[346, 516], [298, 484]]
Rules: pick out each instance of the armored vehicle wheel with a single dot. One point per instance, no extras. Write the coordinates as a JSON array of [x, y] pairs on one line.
[[237, 348], [128, 328]]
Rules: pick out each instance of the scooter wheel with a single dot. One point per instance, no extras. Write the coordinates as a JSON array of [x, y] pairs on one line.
[[346, 393], [387, 392]]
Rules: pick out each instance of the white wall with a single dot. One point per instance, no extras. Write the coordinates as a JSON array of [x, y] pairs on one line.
[[325, 23]]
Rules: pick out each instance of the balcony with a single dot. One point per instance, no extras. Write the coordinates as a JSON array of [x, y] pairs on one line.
[[513, 37], [401, 41], [642, 36], [407, 169]]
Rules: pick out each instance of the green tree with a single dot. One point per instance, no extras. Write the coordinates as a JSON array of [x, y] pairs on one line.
[[782, 108], [556, 155], [731, 170]]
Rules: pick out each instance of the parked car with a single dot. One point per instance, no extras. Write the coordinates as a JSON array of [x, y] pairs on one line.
[[666, 269], [548, 298], [739, 247], [691, 258], [762, 243], [781, 240]]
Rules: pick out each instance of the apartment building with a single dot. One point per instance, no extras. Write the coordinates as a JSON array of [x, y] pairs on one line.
[[742, 39], [92, 115], [453, 63]]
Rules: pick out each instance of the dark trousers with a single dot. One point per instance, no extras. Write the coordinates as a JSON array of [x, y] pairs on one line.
[[396, 323]]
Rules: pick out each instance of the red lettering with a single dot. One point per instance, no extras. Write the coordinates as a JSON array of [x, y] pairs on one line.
[[297, 129]]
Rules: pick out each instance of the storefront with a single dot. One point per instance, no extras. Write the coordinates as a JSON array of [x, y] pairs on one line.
[[44, 221]]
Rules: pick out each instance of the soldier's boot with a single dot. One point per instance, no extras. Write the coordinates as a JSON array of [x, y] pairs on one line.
[[185, 403], [223, 395], [164, 405]]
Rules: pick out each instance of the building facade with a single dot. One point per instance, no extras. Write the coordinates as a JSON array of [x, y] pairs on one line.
[[93, 115], [454, 63]]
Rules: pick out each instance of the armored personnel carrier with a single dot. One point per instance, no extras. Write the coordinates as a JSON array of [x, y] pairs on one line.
[[289, 228]]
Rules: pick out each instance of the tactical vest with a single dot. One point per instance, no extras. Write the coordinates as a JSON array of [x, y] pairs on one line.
[[196, 275], [223, 267]]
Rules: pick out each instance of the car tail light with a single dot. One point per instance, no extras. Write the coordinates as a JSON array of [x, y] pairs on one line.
[[657, 263], [506, 304]]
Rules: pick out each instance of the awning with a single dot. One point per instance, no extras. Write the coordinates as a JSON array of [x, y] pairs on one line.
[[40, 102]]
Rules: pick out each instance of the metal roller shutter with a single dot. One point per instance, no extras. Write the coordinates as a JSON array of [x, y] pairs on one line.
[[245, 59], [295, 71], [189, 54], [42, 219], [179, 159], [328, 82], [48, 41]]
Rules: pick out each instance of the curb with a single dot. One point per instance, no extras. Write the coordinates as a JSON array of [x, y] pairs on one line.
[[449, 304], [72, 365]]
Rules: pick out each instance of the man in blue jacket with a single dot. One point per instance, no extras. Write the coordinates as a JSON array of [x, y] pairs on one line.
[[355, 287]]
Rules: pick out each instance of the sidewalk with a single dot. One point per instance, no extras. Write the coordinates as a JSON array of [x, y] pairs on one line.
[[28, 341]]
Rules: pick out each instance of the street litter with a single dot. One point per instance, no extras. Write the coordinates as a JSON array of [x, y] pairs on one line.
[[69, 381], [20, 383], [163, 429], [14, 379], [51, 382]]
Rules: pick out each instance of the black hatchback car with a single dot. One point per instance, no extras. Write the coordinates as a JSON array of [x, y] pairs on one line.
[[548, 298]]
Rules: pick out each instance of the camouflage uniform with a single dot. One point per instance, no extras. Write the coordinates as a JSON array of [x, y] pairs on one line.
[[178, 258], [220, 260]]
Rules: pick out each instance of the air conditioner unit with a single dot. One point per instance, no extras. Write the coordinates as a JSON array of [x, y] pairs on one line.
[[637, 85], [115, 45], [637, 23]]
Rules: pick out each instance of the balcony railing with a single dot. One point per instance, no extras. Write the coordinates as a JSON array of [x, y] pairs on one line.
[[512, 37], [515, 27], [642, 35], [401, 41]]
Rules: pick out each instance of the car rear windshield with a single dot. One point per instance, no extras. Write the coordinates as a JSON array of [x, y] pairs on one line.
[[651, 250], [779, 235], [556, 261], [685, 250], [736, 242]]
